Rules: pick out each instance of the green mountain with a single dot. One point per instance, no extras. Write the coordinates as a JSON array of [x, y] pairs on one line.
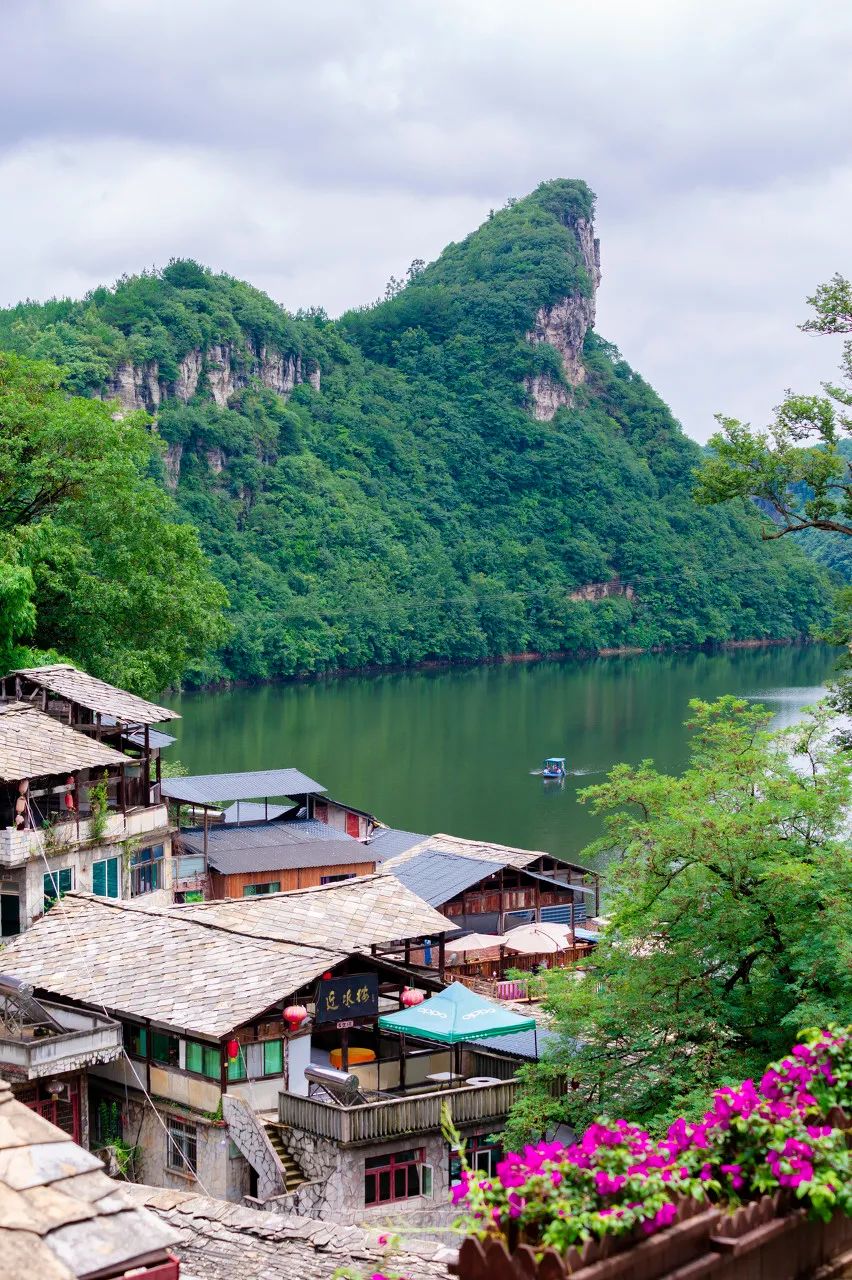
[[461, 470]]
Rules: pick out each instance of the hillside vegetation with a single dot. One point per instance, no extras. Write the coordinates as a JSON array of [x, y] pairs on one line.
[[412, 506]]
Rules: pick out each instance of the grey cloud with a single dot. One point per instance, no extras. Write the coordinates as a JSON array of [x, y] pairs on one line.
[[315, 150]]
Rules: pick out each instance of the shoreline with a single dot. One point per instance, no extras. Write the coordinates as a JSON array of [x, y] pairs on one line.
[[526, 656]]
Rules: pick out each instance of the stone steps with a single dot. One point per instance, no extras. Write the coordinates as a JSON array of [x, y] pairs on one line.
[[293, 1174]]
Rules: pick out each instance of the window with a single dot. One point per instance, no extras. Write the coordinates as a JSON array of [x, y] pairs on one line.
[[181, 1146], [237, 1067], [106, 878], [255, 890], [480, 1153], [400, 1176], [203, 1059], [273, 1058], [350, 875], [136, 1040], [164, 1049], [146, 870], [57, 883]]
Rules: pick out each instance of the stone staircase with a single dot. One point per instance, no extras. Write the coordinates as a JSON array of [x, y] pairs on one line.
[[293, 1174]]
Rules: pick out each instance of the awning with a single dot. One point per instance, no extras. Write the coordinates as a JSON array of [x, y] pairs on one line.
[[455, 1015], [476, 942]]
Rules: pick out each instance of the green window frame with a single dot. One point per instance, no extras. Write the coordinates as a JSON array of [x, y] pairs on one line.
[[106, 878], [273, 1058], [56, 883], [203, 1059], [257, 890], [237, 1066], [165, 1049]]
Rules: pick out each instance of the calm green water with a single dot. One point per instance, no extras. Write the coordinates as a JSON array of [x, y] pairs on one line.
[[452, 750]]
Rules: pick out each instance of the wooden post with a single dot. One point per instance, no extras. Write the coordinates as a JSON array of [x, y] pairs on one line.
[[408, 951], [597, 895], [501, 963], [344, 1048], [573, 934], [442, 957], [402, 1062], [146, 772], [206, 867]]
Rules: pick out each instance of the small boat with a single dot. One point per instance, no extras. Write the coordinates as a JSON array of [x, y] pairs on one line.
[[553, 767]]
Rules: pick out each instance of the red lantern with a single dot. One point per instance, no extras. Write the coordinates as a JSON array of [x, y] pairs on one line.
[[294, 1016], [233, 1048], [411, 997]]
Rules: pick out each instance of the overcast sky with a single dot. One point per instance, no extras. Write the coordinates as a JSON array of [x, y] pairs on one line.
[[315, 149]]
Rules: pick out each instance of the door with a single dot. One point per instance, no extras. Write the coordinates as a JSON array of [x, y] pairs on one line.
[[10, 914], [353, 826]]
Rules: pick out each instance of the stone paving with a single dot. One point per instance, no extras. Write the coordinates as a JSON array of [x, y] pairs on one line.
[[217, 1240]]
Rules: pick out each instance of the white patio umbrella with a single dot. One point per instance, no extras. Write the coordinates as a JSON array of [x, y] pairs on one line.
[[475, 942], [537, 939]]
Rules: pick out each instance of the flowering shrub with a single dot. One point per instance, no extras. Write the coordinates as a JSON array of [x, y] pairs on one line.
[[782, 1134]]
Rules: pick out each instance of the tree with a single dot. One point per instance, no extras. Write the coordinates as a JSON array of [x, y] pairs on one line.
[[94, 567], [730, 923]]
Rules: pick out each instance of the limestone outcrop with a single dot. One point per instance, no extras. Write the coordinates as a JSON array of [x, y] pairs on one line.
[[564, 326]]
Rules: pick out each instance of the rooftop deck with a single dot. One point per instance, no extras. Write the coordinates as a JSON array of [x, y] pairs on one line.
[[86, 1038]]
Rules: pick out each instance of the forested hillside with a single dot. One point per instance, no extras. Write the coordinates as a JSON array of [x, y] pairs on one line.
[[463, 469]]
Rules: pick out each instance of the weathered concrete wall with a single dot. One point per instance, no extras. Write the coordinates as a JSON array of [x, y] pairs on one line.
[[249, 1136]]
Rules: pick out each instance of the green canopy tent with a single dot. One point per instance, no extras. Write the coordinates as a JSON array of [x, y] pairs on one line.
[[456, 1015]]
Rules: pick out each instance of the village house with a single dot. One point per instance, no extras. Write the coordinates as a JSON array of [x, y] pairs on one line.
[[80, 803], [279, 831], [252, 1063]]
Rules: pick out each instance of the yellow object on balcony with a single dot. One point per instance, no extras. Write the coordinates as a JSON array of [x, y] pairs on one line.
[[356, 1056]]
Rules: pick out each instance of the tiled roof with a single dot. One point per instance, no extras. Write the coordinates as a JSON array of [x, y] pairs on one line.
[[215, 788], [350, 916], [61, 1217], [436, 877], [487, 850], [222, 1241], [33, 744], [96, 695], [162, 965]]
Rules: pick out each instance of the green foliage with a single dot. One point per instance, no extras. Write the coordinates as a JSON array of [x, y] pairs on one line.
[[95, 562], [99, 802], [413, 509], [730, 912]]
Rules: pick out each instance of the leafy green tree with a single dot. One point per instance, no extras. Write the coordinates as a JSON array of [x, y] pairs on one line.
[[730, 923], [94, 565]]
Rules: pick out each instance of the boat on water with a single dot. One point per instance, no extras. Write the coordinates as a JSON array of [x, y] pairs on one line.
[[553, 767]]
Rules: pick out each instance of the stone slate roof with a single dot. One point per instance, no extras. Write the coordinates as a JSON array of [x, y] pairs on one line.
[[350, 915], [486, 851], [60, 1215], [216, 788], [96, 695], [168, 967], [218, 1240], [436, 877], [276, 846], [33, 744]]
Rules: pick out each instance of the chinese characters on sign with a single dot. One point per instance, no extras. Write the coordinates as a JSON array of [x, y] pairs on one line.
[[342, 999]]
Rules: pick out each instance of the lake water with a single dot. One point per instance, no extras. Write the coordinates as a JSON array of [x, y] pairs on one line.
[[452, 750]]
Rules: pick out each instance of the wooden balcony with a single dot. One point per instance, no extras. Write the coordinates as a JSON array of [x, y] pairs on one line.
[[395, 1117]]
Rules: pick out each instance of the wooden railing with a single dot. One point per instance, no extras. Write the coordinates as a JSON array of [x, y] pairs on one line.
[[529, 964], [394, 1117]]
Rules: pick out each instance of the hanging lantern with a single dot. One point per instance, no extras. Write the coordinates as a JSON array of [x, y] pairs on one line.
[[23, 787], [233, 1048], [294, 1016], [411, 997]]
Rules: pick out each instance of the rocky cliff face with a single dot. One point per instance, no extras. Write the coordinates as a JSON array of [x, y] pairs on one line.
[[564, 325], [227, 366]]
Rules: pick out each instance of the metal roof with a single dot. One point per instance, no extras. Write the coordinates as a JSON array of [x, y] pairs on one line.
[[436, 877], [559, 884], [387, 842], [33, 744], [267, 835], [350, 915], [156, 739], [179, 971], [95, 695], [288, 857], [523, 1044], [254, 811], [214, 788], [62, 1216]]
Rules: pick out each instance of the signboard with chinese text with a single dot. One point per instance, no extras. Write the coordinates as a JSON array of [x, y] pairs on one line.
[[341, 999]]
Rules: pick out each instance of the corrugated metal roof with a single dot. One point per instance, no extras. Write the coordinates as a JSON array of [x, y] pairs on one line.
[[163, 965], [252, 811], [62, 1216], [268, 835], [436, 877], [96, 695], [288, 857], [520, 1045], [214, 788], [33, 744], [390, 841]]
